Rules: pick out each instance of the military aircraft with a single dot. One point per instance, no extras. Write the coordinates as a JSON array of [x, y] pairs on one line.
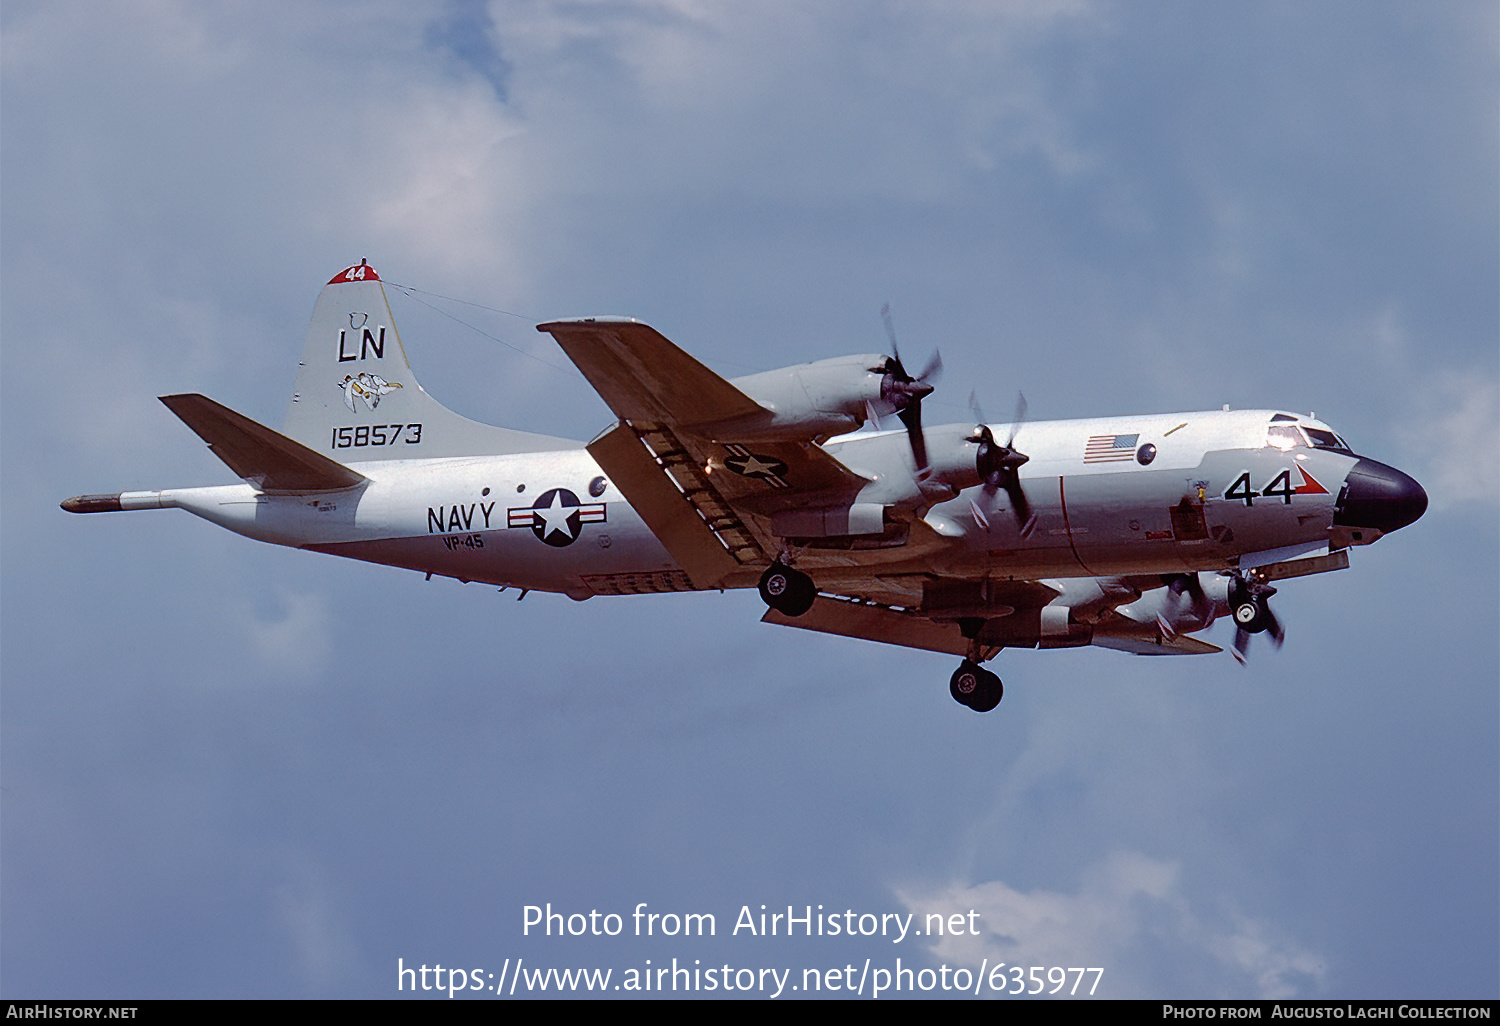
[[1131, 533]]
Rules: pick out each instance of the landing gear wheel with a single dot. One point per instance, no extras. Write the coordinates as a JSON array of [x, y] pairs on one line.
[[990, 692], [964, 684], [1250, 616], [975, 687], [789, 592]]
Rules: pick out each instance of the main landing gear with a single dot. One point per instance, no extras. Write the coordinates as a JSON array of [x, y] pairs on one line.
[[789, 592], [974, 686], [792, 593]]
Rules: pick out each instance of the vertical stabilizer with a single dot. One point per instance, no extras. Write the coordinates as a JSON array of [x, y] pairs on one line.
[[356, 399]]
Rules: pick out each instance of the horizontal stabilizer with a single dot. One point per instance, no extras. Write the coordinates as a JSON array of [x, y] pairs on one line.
[[265, 458]]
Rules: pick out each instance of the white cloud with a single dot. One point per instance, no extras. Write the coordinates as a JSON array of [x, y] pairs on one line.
[[822, 102], [320, 941], [1455, 432], [1130, 916], [297, 642]]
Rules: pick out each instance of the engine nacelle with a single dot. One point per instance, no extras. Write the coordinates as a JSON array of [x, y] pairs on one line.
[[813, 400], [953, 456], [1179, 607]]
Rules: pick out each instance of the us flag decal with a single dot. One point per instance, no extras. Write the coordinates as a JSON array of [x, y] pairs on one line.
[[1110, 448]]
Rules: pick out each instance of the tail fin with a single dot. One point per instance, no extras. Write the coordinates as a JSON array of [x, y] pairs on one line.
[[356, 399]]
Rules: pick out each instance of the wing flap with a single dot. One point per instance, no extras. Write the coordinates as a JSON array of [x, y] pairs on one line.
[[664, 508], [1336, 560], [1180, 645], [706, 487], [875, 623], [267, 459]]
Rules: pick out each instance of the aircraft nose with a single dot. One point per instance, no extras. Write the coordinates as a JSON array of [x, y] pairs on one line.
[[1379, 496]]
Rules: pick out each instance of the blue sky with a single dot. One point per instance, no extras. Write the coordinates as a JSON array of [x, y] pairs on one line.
[[234, 770]]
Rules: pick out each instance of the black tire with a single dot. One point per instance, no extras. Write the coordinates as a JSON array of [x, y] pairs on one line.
[[989, 694], [789, 592], [966, 683], [803, 596]]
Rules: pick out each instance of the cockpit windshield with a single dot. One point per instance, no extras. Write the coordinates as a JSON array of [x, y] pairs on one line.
[[1284, 438], [1288, 436], [1324, 439]]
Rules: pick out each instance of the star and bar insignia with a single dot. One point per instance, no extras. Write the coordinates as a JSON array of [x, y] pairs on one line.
[[747, 464], [557, 517]]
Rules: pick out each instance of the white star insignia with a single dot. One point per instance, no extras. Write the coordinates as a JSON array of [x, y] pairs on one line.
[[752, 467], [554, 518]]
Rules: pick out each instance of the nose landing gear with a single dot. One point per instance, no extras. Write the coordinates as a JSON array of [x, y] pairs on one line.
[[1249, 600]]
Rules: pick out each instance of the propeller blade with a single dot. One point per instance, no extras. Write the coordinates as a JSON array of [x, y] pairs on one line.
[[890, 332], [906, 393], [1274, 628], [911, 416], [1241, 642], [933, 370], [979, 517], [1019, 419], [1020, 506]]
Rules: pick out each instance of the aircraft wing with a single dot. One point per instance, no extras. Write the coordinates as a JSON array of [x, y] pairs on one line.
[[855, 619], [872, 620], [1179, 645], [643, 376], [705, 494]]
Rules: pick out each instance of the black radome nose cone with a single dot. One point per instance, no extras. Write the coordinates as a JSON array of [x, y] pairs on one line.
[[1381, 497]]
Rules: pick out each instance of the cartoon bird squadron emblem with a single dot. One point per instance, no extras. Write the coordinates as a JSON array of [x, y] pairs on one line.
[[366, 386]]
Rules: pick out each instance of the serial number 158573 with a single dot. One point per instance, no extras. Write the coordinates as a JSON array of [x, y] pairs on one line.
[[376, 434]]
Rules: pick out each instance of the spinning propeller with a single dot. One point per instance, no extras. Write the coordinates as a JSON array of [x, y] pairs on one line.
[[999, 467], [1249, 604], [904, 393]]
